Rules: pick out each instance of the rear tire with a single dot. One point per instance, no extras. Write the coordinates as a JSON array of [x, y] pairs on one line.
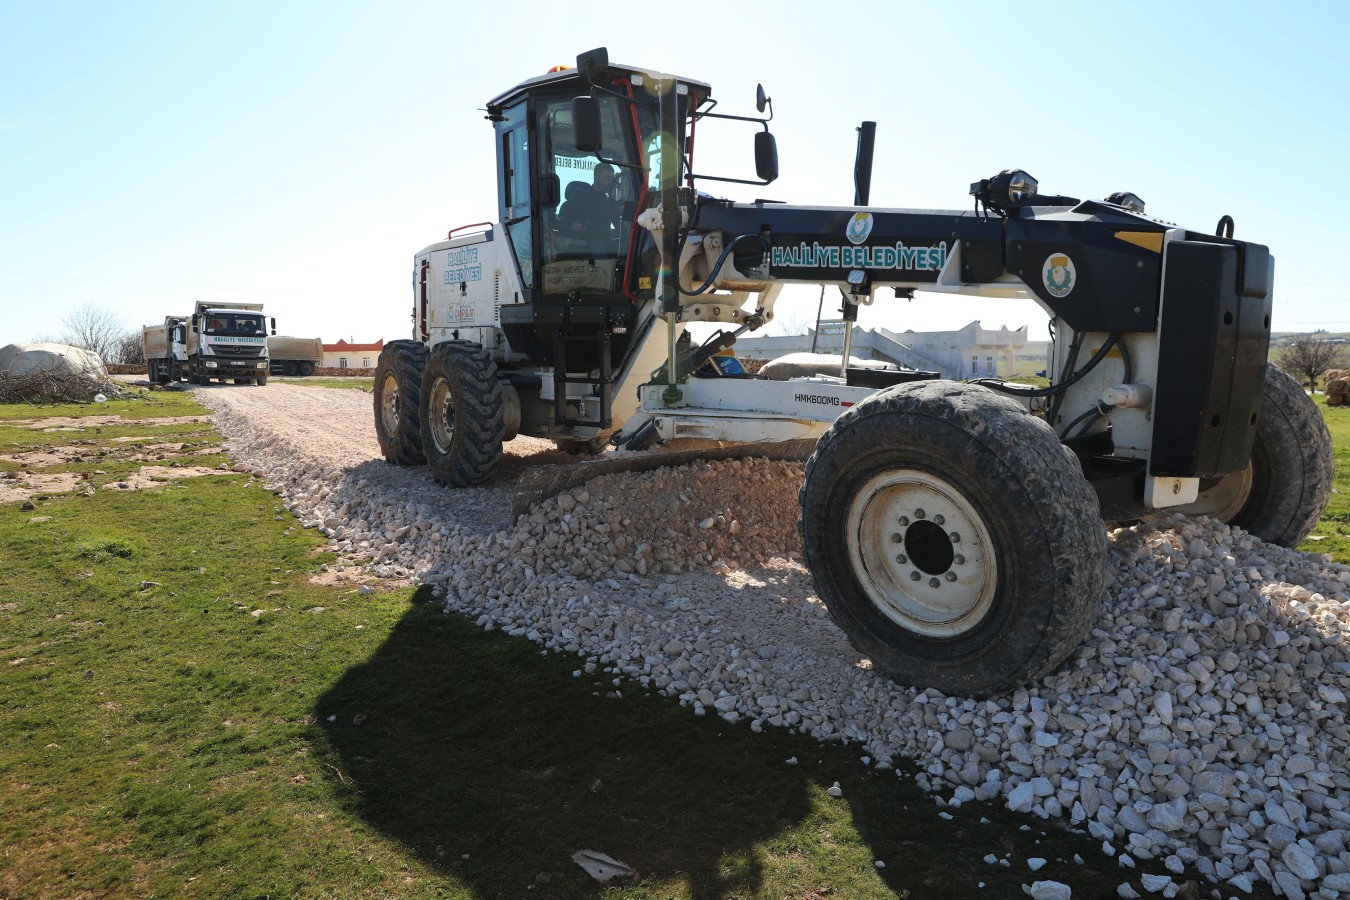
[[398, 392], [1284, 491], [307, 368], [953, 538], [288, 368], [462, 414]]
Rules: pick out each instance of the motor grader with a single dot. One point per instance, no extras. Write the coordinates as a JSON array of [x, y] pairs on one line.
[[955, 530]]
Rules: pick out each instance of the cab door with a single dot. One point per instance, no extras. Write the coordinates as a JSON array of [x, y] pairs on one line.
[[513, 160]]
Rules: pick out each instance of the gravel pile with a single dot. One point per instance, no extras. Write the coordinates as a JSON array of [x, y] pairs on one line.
[[1202, 724]]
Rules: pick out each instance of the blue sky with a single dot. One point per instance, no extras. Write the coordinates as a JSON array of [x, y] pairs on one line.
[[299, 154]]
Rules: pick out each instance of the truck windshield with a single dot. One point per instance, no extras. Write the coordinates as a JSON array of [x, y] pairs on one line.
[[234, 324]]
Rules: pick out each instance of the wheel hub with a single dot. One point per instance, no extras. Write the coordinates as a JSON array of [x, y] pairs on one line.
[[389, 403], [442, 409], [922, 553]]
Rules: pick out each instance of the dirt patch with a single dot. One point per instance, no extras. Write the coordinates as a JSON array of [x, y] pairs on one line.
[[70, 423], [76, 453], [16, 487], [26, 485], [152, 476]]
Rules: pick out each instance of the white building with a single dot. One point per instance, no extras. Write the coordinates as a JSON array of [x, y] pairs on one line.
[[969, 352]]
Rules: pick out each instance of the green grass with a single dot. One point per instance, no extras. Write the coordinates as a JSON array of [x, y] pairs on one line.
[[359, 382], [1332, 532], [166, 686]]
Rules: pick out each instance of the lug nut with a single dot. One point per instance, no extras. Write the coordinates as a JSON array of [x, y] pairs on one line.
[[919, 514], [938, 519], [901, 558], [959, 560], [897, 538], [904, 520], [933, 582], [914, 576], [951, 576], [955, 537]]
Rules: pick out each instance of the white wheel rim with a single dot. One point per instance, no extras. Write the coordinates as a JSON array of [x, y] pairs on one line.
[[442, 410], [921, 553], [389, 403], [1224, 500]]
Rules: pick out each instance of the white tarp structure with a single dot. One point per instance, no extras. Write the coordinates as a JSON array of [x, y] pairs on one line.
[[23, 359], [800, 365]]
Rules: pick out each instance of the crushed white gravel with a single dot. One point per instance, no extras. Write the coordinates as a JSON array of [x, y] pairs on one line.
[[1202, 724]]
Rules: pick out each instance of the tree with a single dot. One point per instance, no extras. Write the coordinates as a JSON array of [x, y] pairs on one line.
[[94, 328], [129, 350], [1307, 357]]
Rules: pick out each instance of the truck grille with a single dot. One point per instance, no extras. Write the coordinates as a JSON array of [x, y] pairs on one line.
[[238, 352]]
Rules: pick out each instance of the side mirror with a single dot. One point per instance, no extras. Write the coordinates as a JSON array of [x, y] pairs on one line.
[[766, 156], [761, 100], [550, 191], [274, 325], [195, 327], [586, 124]]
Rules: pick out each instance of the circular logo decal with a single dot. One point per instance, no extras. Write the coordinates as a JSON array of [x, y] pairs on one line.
[[859, 227], [1058, 274]]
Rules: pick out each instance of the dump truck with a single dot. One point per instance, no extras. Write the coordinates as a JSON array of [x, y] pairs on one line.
[[228, 342], [956, 531], [165, 348], [293, 355]]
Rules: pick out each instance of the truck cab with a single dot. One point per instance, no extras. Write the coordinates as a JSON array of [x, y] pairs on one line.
[[228, 343]]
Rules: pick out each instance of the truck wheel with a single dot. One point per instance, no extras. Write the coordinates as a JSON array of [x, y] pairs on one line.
[[261, 381], [1282, 494], [307, 368], [288, 368], [398, 391], [953, 537], [462, 423], [152, 372]]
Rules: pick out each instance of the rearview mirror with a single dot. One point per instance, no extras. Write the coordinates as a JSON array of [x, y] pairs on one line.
[[549, 191], [586, 124], [766, 156]]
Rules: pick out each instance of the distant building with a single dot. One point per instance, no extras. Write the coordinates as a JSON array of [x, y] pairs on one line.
[[969, 352], [345, 355]]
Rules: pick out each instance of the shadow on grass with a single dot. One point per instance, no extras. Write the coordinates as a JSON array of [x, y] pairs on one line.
[[494, 765], [475, 745]]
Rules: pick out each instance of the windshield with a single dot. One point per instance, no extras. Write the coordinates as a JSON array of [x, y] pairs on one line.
[[234, 324]]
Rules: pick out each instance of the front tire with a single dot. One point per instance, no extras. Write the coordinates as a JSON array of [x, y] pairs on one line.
[[953, 538], [398, 392], [1282, 494], [462, 414]]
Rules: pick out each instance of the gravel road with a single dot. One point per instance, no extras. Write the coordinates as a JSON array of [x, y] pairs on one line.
[[1202, 725]]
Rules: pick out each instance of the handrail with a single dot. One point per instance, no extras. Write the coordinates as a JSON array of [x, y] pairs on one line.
[[451, 232]]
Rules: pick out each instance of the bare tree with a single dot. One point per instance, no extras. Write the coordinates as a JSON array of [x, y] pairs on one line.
[[1306, 357], [129, 350], [94, 328]]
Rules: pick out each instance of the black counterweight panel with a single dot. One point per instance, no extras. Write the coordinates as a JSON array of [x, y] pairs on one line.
[[1113, 284], [1212, 356]]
